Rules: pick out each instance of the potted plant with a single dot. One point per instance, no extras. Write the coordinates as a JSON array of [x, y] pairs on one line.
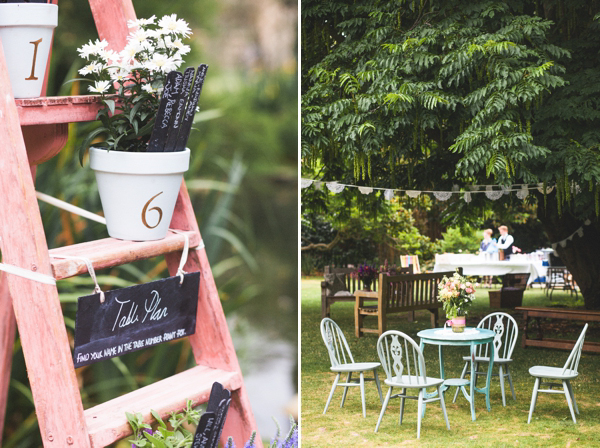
[[456, 295], [138, 189], [26, 33], [366, 274]]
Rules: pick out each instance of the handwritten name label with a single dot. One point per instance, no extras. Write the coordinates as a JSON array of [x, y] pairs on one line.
[[134, 318]]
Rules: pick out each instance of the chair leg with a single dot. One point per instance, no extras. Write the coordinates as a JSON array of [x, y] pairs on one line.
[[501, 375], [348, 379], [383, 407], [573, 397], [512, 388], [362, 394], [569, 401], [533, 398], [419, 411], [443, 405], [378, 386], [462, 375], [337, 378], [402, 406]]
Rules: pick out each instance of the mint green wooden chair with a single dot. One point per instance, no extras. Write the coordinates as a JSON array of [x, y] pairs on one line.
[[565, 375], [397, 353], [507, 331], [342, 362]]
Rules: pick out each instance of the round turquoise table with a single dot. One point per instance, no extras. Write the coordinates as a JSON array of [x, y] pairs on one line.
[[471, 337]]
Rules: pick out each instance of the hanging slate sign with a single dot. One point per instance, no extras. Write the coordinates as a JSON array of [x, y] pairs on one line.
[[134, 318]]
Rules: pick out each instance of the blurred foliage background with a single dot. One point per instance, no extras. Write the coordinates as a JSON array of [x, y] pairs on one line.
[[242, 180]]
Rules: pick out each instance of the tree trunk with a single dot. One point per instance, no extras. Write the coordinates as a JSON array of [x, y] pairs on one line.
[[581, 255]]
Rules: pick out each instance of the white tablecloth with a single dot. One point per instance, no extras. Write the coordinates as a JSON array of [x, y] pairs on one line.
[[480, 265]]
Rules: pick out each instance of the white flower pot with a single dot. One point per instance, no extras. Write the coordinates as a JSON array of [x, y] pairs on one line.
[[138, 190], [26, 34]]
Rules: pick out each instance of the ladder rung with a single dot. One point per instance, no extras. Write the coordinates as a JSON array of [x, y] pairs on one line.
[[107, 423], [57, 109], [109, 252]]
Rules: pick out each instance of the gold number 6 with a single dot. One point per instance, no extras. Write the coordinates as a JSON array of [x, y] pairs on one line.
[[145, 210]]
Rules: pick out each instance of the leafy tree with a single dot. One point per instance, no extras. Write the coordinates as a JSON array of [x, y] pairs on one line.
[[430, 94]]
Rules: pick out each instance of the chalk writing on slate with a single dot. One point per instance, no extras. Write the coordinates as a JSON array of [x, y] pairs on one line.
[[163, 115], [190, 111], [188, 78], [134, 318], [211, 423]]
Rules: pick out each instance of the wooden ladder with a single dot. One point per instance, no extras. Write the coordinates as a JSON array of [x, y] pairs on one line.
[[31, 132]]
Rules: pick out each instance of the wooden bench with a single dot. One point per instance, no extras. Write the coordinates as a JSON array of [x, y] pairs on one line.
[[398, 294], [339, 286], [556, 313]]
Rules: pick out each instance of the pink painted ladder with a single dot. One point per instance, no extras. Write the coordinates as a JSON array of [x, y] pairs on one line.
[[31, 132]]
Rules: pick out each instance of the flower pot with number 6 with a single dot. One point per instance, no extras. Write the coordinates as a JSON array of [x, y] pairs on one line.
[[26, 33], [138, 190]]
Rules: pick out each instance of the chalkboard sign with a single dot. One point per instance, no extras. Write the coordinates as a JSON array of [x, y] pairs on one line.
[[211, 423], [134, 318]]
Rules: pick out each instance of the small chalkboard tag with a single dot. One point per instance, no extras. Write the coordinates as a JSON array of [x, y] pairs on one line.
[[211, 424], [134, 318]]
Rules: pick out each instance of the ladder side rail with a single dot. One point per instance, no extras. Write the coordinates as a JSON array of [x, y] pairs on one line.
[[36, 306], [111, 18], [212, 344], [8, 328]]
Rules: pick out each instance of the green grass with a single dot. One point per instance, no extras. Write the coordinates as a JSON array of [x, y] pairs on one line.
[[551, 424]]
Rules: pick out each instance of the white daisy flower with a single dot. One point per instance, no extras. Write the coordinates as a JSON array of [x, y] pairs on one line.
[[100, 87], [162, 63], [148, 88], [141, 22], [130, 51], [94, 67], [92, 48], [172, 25], [181, 48], [110, 56], [118, 73]]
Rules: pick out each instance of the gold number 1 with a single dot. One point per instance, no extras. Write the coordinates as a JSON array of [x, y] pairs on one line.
[[35, 43]]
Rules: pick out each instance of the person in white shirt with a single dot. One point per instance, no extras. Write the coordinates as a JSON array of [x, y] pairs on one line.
[[507, 243]]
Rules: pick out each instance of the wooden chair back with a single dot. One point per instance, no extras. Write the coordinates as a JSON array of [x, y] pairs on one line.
[[515, 281], [506, 332], [406, 290], [573, 359], [337, 347], [401, 358]]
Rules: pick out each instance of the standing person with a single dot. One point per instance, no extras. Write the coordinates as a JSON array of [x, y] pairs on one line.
[[507, 243], [488, 246]]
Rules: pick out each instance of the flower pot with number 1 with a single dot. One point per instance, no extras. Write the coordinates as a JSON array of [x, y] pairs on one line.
[[26, 33], [138, 190]]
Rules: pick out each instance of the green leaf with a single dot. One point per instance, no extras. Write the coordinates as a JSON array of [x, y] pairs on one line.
[[158, 419], [111, 105]]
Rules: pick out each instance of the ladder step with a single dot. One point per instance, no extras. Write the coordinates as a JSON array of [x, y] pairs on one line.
[[106, 422], [110, 252], [57, 109]]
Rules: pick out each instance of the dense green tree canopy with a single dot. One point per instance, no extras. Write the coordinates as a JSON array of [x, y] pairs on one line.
[[431, 94]]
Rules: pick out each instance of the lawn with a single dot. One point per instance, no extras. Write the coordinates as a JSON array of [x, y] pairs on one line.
[[551, 424]]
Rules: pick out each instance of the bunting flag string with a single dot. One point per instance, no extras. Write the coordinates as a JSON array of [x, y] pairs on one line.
[[563, 243], [493, 192]]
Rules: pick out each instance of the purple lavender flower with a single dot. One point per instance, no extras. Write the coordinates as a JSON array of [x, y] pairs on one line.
[[230, 443]]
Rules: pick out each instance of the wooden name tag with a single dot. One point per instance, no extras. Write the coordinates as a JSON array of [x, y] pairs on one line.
[[134, 318]]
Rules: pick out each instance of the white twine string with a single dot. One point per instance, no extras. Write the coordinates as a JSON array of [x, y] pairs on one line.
[[184, 254], [25, 273], [90, 268]]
